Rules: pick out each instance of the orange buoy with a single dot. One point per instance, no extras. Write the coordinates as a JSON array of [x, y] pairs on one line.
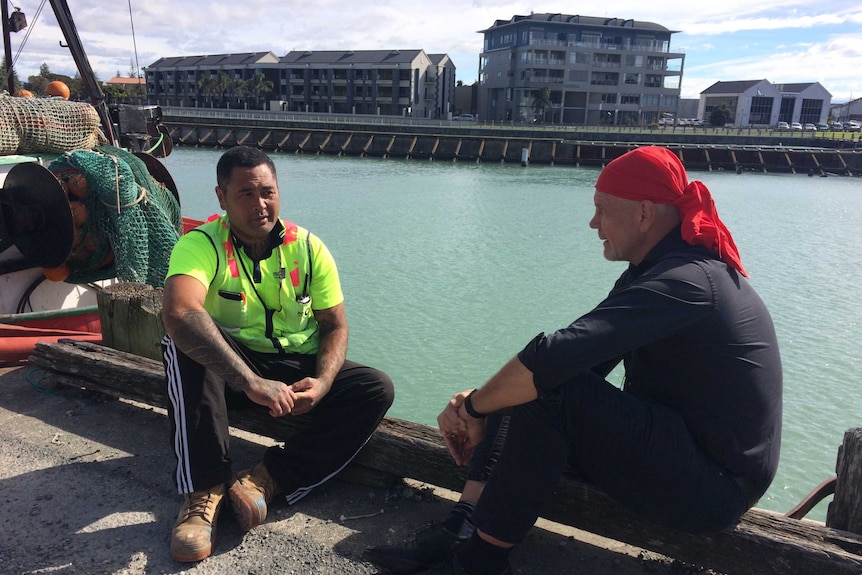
[[57, 274], [25, 94], [57, 88], [79, 213], [77, 185]]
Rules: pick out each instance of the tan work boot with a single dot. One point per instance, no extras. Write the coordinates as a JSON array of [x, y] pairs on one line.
[[194, 532], [250, 494]]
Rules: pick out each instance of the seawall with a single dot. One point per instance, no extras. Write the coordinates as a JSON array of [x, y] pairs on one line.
[[727, 149]]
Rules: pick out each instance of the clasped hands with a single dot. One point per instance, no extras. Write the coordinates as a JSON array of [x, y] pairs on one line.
[[461, 432], [282, 399]]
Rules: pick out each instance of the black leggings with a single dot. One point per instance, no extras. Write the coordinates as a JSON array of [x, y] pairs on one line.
[[637, 451], [317, 444]]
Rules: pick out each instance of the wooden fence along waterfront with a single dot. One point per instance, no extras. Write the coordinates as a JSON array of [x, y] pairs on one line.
[[489, 144]]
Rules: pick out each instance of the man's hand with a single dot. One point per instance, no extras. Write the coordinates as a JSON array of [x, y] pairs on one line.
[[461, 432], [274, 395], [308, 393]]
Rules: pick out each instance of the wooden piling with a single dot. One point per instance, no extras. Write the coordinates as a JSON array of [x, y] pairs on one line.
[[131, 318], [845, 511]]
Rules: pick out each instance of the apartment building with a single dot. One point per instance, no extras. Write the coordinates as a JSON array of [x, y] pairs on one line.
[[578, 70], [379, 82], [762, 103], [212, 81]]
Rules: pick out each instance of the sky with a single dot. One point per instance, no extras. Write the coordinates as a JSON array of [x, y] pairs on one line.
[[782, 41]]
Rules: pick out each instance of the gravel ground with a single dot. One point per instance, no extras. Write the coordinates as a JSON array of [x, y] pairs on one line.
[[85, 488]]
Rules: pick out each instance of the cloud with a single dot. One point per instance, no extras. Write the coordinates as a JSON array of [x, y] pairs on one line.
[[784, 38]]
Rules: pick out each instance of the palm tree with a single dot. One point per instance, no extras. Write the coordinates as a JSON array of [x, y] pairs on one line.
[[257, 85], [541, 101], [207, 86], [223, 84]]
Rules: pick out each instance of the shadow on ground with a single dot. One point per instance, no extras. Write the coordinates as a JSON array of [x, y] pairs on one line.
[[86, 488]]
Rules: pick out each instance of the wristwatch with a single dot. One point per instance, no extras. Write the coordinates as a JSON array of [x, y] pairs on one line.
[[468, 407]]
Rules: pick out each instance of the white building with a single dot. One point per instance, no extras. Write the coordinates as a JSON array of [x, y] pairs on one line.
[[762, 103]]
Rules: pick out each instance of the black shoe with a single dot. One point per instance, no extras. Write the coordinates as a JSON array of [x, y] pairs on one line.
[[452, 567], [430, 546]]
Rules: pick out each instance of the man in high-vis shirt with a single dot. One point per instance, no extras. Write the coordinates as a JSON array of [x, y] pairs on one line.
[[255, 319]]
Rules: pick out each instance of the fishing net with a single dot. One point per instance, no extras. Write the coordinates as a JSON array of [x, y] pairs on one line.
[[126, 223], [30, 125]]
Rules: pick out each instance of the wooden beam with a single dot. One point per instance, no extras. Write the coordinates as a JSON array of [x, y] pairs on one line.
[[764, 542]]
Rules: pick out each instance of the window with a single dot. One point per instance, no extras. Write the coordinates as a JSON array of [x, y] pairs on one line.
[[653, 81], [811, 110], [649, 100], [761, 110]]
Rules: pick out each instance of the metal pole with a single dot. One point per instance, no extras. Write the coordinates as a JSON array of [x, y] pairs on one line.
[[7, 46], [73, 41]]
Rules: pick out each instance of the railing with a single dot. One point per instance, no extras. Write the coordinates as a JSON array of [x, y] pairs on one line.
[[204, 114]]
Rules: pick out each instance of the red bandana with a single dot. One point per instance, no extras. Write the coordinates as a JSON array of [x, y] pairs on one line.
[[656, 174]]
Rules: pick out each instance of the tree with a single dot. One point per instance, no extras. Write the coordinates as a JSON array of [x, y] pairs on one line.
[[256, 86], [223, 84], [36, 84], [16, 85], [719, 116], [541, 102], [207, 86]]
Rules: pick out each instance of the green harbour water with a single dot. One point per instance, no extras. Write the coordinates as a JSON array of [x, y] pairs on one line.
[[449, 268]]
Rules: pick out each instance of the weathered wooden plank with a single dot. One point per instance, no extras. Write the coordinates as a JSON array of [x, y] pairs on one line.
[[763, 542]]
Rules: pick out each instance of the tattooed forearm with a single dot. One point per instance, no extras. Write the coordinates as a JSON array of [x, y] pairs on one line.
[[199, 338], [332, 351]]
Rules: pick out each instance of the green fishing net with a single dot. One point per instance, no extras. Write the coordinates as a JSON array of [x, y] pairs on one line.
[[126, 222]]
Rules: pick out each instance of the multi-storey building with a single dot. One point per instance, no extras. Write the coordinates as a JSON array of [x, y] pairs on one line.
[[217, 81], [569, 69], [388, 82], [384, 82]]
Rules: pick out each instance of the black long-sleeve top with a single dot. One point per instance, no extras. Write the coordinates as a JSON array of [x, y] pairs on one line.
[[694, 335]]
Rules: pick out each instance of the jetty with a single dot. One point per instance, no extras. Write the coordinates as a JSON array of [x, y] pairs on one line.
[[764, 542], [712, 149]]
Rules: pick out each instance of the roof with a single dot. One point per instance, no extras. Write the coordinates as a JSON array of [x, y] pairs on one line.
[[208, 61], [736, 87], [578, 20], [119, 80], [350, 56], [793, 88]]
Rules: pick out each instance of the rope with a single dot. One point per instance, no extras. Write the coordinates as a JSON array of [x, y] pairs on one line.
[[35, 384], [142, 195]]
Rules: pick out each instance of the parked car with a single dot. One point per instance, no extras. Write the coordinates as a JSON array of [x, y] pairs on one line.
[[783, 126], [837, 127], [809, 127], [464, 118], [796, 126], [852, 126], [821, 127]]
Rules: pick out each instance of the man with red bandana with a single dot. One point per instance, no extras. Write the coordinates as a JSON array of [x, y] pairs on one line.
[[692, 439], [255, 319]]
